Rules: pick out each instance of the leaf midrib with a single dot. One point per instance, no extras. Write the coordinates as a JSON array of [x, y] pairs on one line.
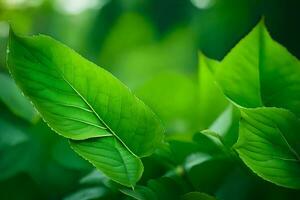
[[78, 93], [260, 55], [99, 118]]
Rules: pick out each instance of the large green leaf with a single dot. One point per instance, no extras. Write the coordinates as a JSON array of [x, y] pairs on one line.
[[80, 101], [269, 144], [260, 72]]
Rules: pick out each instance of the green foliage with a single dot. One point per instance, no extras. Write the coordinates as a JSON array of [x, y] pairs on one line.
[[269, 144], [244, 112], [260, 72], [108, 111], [262, 78]]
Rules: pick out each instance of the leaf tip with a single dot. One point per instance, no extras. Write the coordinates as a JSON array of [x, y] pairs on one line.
[[11, 38], [12, 34], [262, 20]]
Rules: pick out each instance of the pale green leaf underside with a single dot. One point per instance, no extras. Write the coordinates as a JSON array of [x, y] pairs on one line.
[[269, 144], [80, 100], [260, 72]]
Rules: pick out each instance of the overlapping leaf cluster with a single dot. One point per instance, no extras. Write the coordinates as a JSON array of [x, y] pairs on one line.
[[262, 79], [252, 97]]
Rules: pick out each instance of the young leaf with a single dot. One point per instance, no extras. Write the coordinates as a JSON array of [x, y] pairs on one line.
[[269, 144], [80, 101], [260, 72]]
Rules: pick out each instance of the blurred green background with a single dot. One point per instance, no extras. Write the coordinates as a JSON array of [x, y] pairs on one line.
[[152, 46]]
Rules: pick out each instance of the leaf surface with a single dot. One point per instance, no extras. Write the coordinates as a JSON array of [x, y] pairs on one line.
[[80, 101], [111, 157], [260, 72], [269, 144]]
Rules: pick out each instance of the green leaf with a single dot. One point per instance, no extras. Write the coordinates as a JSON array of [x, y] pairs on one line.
[[212, 102], [208, 142], [140, 193], [111, 157], [94, 177], [260, 72], [162, 188], [11, 96], [226, 125], [15, 140], [88, 194], [165, 188], [80, 101], [197, 196], [269, 144], [209, 174]]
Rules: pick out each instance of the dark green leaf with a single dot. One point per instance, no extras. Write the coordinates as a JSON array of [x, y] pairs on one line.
[[140, 193], [197, 196], [88, 194]]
